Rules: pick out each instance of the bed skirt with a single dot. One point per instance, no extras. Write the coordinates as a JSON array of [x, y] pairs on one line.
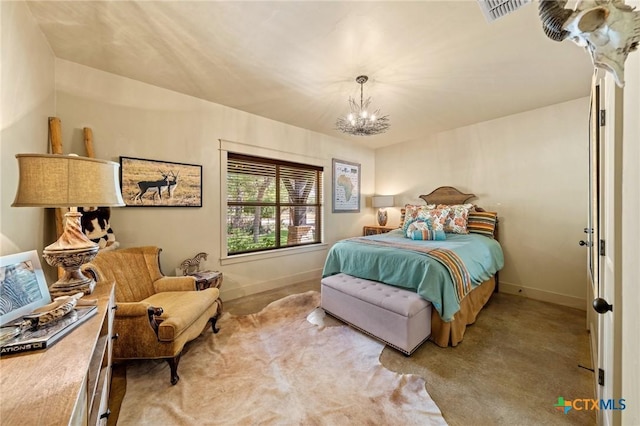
[[450, 333]]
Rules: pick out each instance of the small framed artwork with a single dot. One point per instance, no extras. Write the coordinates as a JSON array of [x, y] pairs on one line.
[[155, 183], [23, 287], [345, 187]]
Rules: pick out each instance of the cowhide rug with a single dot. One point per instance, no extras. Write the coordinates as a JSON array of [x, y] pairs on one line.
[[275, 367]]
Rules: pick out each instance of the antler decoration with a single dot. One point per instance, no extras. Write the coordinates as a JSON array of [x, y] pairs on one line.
[[608, 29]]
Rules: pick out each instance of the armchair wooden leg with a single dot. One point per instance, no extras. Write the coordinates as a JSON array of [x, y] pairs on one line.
[[173, 365], [215, 318], [213, 325]]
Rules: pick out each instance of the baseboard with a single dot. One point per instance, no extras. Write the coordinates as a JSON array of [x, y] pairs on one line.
[[259, 287], [544, 296], [505, 287]]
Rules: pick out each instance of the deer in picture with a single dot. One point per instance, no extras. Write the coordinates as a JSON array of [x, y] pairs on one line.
[[151, 187], [168, 183], [171, 184]]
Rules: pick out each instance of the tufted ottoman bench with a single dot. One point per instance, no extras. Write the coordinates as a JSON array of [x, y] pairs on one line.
[[398, 317]]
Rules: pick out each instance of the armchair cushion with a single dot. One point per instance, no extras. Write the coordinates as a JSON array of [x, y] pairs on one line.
[[181, 310]]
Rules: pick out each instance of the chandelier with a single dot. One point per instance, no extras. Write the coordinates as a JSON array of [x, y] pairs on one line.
[[361, 121]]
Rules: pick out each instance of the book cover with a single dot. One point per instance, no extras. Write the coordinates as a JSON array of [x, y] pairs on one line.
[[44, 337]]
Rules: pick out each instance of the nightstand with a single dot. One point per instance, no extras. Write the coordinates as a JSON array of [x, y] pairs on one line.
[[376, 229]]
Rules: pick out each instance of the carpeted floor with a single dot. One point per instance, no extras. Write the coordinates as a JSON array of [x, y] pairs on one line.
[[514, 363]]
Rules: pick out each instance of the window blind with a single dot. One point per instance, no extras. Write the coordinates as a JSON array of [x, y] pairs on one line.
[[272, 203]]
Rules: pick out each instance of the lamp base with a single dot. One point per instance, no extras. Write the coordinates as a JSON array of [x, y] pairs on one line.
[[73, 280], [382, 217], [72, 250]]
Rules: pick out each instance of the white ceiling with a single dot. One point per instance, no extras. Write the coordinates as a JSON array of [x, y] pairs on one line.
[[433, 65]]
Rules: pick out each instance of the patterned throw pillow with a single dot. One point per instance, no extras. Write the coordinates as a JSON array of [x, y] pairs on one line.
[[421, 230], [416, 223], [483, 223], [411, 211], [438, 218], [458, 215]]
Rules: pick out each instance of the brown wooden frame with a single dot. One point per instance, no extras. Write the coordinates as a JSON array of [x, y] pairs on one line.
[[447, 195]]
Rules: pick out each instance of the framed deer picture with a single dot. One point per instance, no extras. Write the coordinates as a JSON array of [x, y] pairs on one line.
[[156, 183]]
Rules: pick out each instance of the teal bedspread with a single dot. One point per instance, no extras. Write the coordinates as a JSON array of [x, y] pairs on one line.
[[417, 271]]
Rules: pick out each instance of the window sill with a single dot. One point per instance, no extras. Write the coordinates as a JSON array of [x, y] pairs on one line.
[[250, 257]]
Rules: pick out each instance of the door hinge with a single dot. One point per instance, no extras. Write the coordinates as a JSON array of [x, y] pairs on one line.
[[603, 117], [602, 245], [600, 376]]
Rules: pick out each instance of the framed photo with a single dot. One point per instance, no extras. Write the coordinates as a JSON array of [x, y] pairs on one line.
[[345, 187], [23, 287], [154, 183]]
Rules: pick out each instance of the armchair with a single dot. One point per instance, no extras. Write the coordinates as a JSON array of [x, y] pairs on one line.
[[156, 315]]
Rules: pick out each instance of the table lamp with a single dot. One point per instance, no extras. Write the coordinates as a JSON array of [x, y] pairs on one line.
[[51, 180], [381, 202]]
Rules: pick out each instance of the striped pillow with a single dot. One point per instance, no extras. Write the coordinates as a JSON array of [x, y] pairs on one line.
[[483, 223], [427, 234]]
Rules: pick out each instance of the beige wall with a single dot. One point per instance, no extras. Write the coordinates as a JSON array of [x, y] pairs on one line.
[[28, 99], [532, 169], [133, 119]]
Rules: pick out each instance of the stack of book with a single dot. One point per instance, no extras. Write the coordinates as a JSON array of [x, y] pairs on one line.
[[14, 340]]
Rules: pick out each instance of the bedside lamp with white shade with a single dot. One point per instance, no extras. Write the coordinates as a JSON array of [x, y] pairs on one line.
[[382, 202], [52, 180]]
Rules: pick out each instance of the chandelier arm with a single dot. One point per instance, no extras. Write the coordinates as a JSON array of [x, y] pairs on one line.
[[359, 122]]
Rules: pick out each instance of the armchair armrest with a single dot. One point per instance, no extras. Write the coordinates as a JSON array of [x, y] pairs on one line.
[[136, 324], [132, 309], [186, 283], [90, 270]]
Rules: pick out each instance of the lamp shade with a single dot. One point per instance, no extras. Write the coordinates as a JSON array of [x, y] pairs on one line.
[[381, 201], [51, 180]]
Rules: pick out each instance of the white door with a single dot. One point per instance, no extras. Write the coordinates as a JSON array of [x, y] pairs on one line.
[[592, 230], [608, 372]]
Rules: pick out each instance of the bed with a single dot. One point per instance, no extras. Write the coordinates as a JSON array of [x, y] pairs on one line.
[[457, 275]]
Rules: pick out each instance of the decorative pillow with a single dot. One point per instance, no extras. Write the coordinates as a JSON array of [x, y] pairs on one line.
[[411, 211], [426, 234], [420, 229], [438, 218], [483, 223], [458, 215], [97, 227], [417, 223], [424, 221]]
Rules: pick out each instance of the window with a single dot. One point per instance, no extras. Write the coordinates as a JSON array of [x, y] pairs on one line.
[[271, 204]]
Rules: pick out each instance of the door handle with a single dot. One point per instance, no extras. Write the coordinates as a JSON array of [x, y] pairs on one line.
[[601, 306], [585, 243]]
